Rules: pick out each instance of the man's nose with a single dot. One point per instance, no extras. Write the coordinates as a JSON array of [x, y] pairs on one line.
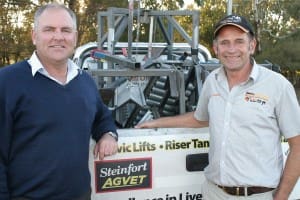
[[58, 34]]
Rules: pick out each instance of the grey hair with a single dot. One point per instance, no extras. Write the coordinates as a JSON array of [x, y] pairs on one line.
[[54, 5]]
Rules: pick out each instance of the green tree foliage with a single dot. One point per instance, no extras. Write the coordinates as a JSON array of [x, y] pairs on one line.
[[16, 20], [211, 12], [87, 17], [13, 30], [276, 23], [162, 4], [279, 33]]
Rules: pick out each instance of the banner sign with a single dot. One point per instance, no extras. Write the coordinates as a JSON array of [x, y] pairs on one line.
[[123, 174]]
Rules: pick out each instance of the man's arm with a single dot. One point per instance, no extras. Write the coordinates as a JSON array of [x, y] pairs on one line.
[[4, 194], [5, 124], [104, 133], [291, 171], [185, 120]]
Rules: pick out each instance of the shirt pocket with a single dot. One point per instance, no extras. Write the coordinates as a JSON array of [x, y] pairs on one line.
[[254, 112]]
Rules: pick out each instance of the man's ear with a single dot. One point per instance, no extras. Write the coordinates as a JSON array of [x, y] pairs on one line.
[[252, 46], [33, 37], [215, 48], [76, 39]]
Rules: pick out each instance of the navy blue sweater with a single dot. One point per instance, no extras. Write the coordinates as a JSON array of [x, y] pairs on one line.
[[45, 130]]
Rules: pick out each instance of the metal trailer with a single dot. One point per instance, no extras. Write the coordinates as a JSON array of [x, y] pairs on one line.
[[143, 80]]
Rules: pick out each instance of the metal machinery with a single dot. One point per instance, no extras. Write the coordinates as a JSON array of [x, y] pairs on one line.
[[144, 80]]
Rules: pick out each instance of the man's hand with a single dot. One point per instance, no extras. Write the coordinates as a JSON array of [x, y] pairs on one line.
[[147, 124], [106, 146], [291, 172]]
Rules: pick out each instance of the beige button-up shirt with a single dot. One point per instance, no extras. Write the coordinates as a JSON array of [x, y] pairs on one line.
[[246, 124]]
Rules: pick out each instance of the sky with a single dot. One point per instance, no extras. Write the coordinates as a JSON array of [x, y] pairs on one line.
[[188, 2]]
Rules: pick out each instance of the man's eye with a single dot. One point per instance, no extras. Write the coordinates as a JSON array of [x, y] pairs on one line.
[[67, 30], [48, 30], [224, 43]]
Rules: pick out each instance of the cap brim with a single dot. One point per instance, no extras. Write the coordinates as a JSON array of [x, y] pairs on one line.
[[230, 24]]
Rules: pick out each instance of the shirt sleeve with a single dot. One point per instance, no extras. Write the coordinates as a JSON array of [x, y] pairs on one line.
[[288, 111], [201, 112], [5, 129], [103, 122]]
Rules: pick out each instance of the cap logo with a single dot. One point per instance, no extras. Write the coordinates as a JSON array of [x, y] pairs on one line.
[[232, 19]]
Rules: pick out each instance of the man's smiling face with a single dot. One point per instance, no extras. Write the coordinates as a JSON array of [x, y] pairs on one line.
[[55, 36], [234, 48]]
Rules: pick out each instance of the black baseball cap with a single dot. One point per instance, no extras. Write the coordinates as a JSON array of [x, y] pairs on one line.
[[234, 20]]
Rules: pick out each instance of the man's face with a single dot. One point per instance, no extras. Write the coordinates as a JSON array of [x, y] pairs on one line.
[[233, 48], [55, 36]]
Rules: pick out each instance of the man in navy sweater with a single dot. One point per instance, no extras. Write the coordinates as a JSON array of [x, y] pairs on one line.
[[49, 110]]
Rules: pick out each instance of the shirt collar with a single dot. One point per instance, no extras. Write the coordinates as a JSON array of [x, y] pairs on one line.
[[36, 66], [253, 74]]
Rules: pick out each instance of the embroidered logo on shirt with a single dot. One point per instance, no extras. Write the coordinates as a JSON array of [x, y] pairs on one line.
[[256, 98]]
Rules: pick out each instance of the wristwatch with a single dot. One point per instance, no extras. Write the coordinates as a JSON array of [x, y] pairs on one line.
[[112, 134]]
